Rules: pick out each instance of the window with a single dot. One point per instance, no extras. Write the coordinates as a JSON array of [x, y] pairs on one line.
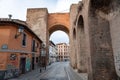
[[36, 59], [24, 40], [33, 46], [37, 45]]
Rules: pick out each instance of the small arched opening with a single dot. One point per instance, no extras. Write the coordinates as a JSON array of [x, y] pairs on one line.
[[74, 49], [74, 33], [81, 45]]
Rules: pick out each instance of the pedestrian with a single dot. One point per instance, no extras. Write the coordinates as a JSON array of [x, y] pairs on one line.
[[40, 67], [40, 70], [45, 67]]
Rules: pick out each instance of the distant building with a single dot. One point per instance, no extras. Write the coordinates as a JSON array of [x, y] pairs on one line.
[[52, 52], [63, 51], [20, 48]]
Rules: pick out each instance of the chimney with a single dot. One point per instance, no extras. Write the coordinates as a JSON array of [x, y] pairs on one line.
[[10, 16]]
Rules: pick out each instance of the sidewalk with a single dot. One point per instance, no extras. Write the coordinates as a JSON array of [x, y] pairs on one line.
[[74, 75], [32, 75]]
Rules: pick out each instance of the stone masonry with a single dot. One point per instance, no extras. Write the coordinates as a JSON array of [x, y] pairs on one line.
[[96, 26], [93, 29], [44, 23]]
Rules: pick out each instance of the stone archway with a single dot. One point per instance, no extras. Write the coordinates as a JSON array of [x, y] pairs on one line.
[[58, 27], [58, 21], [44, 23]]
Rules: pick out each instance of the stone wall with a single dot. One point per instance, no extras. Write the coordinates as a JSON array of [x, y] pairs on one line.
[[94, 35], [94, 39], [101, 50], [114, 18], [37, 19], [73, 55], [115, 34]]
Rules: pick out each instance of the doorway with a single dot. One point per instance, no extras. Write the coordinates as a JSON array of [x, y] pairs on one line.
[[33, 63], [22, 65]]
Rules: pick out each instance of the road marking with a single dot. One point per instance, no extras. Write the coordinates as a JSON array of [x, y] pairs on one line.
[[48, 70], [67, 73]]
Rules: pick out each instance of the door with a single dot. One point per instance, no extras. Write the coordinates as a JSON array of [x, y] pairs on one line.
[[33, 63], [22, 65]]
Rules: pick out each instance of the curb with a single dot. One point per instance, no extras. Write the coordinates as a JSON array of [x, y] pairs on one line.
[[73, 75], [82, 76]]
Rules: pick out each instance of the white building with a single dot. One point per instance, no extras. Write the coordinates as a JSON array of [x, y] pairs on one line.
[[63, 51], [52, 52]]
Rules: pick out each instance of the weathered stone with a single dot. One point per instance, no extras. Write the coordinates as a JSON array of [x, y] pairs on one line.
[[93, 29], [92, 24]]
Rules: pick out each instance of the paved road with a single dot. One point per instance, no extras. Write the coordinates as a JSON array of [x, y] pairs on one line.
[[57, 71]]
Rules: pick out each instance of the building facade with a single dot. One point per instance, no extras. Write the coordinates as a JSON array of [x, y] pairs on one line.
[[19, 48], [52, 52], [63, 51]]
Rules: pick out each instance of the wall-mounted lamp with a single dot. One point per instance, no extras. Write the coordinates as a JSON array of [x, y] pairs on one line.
[[43, 45], [43, 50], [20, 31]]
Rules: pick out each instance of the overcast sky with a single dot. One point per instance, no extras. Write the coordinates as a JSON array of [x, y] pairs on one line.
[[18, 9]]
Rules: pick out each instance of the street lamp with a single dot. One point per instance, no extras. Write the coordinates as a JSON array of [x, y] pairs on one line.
[[20, 31], [43, 51]]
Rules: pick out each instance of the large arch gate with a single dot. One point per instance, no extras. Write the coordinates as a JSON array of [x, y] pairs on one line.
[[58, 21], [44, 24]]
